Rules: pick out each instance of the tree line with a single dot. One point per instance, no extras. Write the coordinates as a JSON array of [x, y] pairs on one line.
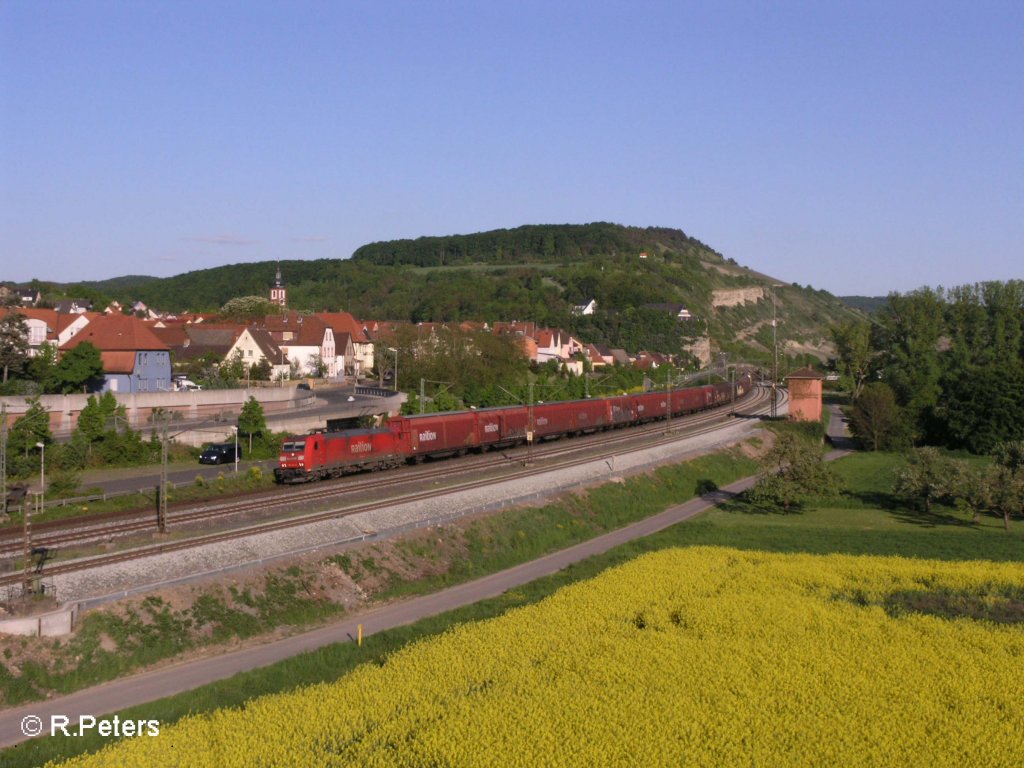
[[938, 367]]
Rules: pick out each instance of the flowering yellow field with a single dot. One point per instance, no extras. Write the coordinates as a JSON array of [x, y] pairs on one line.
[[702, 656]]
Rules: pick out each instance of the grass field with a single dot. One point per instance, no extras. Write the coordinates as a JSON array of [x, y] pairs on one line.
[[866, 520]]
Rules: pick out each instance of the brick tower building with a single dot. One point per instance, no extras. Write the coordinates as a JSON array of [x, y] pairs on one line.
[[804, 394]]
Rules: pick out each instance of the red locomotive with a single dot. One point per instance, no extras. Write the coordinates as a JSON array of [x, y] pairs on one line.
[[320, 455]]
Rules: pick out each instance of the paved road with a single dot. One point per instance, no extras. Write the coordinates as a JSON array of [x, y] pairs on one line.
[[329, 403], [167, 681]]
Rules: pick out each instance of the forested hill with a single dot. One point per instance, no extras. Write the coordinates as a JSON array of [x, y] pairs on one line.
[[532, 273], [541, 243]]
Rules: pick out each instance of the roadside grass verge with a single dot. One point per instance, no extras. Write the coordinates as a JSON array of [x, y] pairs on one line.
[[849, 525], [202, 488]]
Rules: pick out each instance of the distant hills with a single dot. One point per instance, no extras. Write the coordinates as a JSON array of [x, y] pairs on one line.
[[536, 273], [544, 243], [866, 304]]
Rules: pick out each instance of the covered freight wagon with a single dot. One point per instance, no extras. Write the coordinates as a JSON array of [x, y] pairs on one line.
[[651, 406], [502, 426], [434, 434]]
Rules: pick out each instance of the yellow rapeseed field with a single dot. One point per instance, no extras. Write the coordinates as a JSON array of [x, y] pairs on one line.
[[702, 656]]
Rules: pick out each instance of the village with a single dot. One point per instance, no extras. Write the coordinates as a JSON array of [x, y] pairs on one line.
[[145, 350]]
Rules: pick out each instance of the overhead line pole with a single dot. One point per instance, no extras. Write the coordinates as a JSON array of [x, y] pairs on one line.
[[775, 361], [3, 454]]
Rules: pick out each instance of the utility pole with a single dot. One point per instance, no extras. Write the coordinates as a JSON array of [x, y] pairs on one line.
[[529, 426], [161, 491], [775, 362], [3, 454], [668, 401], [422, 394], [26, 528]]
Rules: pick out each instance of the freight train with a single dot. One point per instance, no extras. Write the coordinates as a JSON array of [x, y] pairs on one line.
[[408, 439]]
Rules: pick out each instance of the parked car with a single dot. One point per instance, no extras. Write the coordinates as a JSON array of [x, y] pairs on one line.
[[219, 453], [186, 385]]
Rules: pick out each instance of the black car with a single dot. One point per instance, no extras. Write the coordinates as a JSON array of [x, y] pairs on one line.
[[219, 453]]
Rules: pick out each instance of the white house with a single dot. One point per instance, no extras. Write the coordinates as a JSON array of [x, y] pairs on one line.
[[585, 309]]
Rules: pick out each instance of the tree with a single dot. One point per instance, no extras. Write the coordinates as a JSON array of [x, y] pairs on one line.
[[249, 308], [251, 420], [317, 366], [26, 433], [80, 369], [97, 423], [876, 419], [260, 371], [792, 471], [232, 369], [983, 407], [13, 343], [973, 488], [925, 477], [854, 350], [1009, 492], [43, 367], [908, 332]]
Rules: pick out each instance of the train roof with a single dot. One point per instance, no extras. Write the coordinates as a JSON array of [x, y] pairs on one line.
[[337, 432]]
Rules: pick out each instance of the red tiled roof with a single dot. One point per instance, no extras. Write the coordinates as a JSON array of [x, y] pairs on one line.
[[110, 333], [172, 335], [804, 373], [118, 362], [343, 322]]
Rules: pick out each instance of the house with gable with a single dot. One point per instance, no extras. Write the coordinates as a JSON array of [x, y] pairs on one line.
[[556, 344], [587, 308], [73, 306], [360, 358], [305, 342], [254, 345], [69, 325], [29, 297], [47, 326], [598, 355], [134, 359], [41, 325]]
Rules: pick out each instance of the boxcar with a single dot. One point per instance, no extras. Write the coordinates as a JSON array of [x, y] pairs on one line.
[[723, 392], [650, 406], [743, 384], [688, 400], [551, 420], [622, 410], [502, 426], [434, 434]]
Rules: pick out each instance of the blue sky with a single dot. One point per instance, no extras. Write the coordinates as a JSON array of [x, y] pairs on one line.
[[860, 147]]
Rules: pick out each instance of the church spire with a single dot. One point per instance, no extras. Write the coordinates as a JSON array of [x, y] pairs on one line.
[[277, 293]]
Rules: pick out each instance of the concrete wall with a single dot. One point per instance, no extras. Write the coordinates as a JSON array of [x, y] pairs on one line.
[[64, 409], [51, 624]]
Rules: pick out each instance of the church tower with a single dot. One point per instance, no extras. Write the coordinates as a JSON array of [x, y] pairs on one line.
[[277, 293]]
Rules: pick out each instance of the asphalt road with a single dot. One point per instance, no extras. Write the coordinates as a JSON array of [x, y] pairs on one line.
[[329, 403], [166, 681]]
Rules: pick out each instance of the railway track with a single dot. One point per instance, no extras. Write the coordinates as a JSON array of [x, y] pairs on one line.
[[556, 455]]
